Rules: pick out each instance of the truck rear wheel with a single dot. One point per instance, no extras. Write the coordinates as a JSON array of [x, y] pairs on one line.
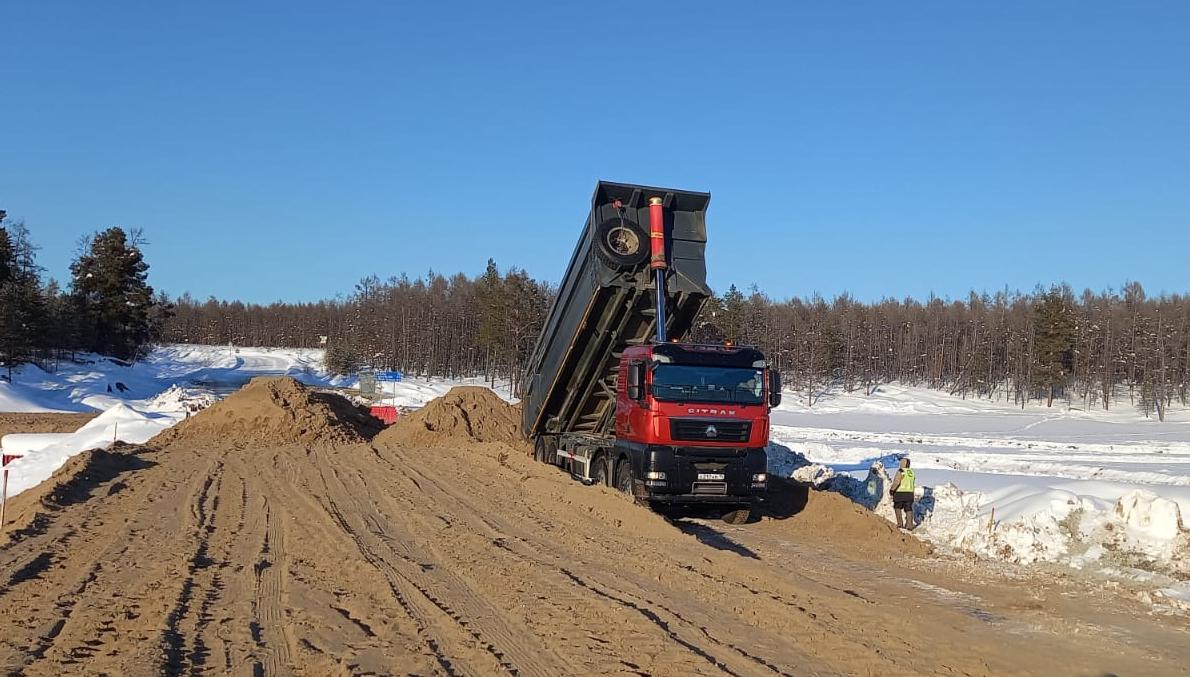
[[621, 243], [539, 449], [599, 470], [624, 477], [545, 449]]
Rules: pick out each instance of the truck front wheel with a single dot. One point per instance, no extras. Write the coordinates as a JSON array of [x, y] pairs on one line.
[[624, 477]]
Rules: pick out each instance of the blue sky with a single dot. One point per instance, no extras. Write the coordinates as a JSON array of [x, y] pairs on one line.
[[284, 150]]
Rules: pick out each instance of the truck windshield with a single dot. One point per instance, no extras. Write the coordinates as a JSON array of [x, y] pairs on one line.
[[683, 383]]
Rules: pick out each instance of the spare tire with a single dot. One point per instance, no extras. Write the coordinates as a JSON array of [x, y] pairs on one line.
[[621, 243]]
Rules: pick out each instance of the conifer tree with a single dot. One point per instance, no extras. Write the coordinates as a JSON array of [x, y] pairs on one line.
[[110, 288], [1054, 334], [733, 316], [22, 306]]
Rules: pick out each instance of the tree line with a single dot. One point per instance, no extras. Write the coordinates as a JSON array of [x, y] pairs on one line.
[[108, 307], [1092, 349], [433, 325]]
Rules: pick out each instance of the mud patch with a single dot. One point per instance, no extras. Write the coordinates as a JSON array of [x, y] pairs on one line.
[[465, 414], [274, 411]]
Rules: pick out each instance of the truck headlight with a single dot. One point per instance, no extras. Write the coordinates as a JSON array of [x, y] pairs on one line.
[[654, 475], [760, 478]]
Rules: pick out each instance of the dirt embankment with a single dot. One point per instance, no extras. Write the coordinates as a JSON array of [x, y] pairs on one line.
[[75, 482], [42, 423], [465, 414], [831, 519], [274, 411], [316, 557]]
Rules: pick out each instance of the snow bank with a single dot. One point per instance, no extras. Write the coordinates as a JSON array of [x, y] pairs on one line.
[[1109, 527], [1029, 523], [27, 443], [121, 422], [95, 382]]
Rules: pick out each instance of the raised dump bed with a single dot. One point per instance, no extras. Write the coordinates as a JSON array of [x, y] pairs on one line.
[[606, 304]]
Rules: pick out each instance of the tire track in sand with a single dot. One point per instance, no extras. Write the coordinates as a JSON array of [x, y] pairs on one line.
[[564, 585], [421, 576]]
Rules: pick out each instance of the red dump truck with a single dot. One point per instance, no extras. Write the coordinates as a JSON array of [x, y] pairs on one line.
[[615, 397]]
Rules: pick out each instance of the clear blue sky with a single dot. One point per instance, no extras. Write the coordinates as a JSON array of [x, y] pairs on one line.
[[283, 150]]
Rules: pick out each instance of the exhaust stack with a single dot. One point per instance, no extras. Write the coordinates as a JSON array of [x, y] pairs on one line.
[[657, 246]]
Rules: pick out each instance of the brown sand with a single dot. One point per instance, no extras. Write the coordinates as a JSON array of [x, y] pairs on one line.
[[274, 411], [465, 414], [42, 423], [325, 559], [807, 514], [73, 483]]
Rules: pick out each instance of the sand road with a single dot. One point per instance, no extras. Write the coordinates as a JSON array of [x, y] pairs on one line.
[[379, 558]]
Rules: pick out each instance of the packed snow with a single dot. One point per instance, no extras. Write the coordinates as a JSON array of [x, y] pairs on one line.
[[1099, 490], [140, 400]]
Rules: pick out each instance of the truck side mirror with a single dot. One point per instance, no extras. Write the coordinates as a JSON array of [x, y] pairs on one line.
[[636, 380], [774, 388]]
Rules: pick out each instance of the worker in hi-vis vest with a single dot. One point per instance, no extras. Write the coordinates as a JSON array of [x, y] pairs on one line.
[[901, 490]]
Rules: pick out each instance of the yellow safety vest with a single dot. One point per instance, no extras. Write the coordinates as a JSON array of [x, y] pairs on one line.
[[906, 480]]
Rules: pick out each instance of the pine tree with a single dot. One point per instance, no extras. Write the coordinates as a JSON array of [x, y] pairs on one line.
[[7, 255], [118, 311], [493, 307], [1054, 334], [733, 318], [12, 348], [22, 306]]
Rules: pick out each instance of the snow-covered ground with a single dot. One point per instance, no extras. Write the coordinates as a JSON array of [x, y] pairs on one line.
[[141, 400], [1092, 489]]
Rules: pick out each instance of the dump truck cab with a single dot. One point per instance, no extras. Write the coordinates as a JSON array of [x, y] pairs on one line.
[[692, 422]]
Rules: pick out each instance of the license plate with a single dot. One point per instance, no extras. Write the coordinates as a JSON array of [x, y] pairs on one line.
[[702, 476]]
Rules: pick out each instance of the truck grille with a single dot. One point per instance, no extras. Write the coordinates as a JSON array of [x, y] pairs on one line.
[[709, 430]]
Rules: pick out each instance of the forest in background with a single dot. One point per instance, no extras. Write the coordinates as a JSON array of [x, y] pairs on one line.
[[1090, 349], [108, 308]]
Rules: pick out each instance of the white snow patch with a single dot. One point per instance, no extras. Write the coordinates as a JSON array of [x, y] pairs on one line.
[[1104, 491], [172, 382], [120, 422]]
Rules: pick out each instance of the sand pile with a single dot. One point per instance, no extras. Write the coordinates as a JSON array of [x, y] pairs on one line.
[[274, 411], [74, 482], [833, 520], [465, 414]]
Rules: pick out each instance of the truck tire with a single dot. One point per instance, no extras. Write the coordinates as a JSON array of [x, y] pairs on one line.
[[621, 243], [539, 449], [599, 470], [624, 477], [740, 516]]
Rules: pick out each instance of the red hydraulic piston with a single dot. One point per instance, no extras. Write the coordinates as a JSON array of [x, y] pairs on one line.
[[657, 233]]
